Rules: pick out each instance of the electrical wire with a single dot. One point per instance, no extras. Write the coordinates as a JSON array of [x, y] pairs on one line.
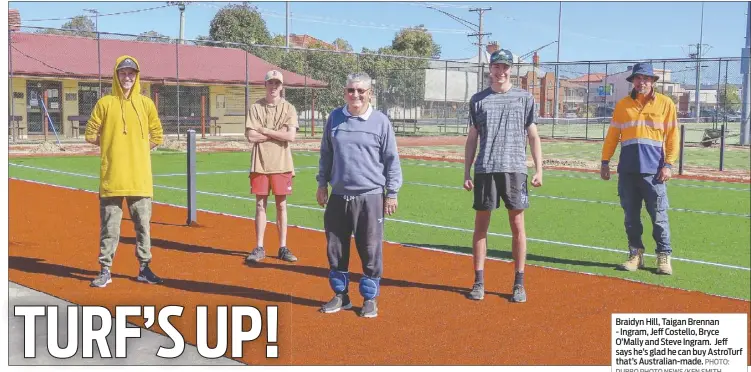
[[100, 15], [40, 61]]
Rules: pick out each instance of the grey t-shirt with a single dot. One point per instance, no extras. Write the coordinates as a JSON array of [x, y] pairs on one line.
[[501, 120]]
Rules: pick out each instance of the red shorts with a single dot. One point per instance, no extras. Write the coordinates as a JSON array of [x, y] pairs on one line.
[[279, 183]]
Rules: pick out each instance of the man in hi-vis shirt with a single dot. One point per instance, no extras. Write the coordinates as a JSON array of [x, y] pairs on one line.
[[645, 123]]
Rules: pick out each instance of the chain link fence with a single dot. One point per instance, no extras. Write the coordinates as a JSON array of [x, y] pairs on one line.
[[56, 77]]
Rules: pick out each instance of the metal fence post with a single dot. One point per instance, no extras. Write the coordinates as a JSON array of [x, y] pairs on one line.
[[722, 147], [14, 129], [589, 78], [445, 97], [177, 89], [191, 177], [683, 143], [247, 93]]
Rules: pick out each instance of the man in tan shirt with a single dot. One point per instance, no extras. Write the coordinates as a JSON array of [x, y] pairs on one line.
[[270, 126]]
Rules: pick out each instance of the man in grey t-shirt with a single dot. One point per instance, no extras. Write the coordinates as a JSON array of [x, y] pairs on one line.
[[502, 118]]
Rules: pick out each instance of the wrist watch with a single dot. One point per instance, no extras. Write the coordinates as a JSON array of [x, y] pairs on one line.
[[668, 166]]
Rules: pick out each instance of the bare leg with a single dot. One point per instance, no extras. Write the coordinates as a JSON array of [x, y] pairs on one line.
[[519, 251], [261, 202], [480, 239], [281, 218], [519, 239], [479, 252]]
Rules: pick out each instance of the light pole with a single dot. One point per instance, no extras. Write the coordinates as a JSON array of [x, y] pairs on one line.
[[181, 6], [557, 60], [287, 28], [98, 51], [746, 107], [698, 67], [479, 35]]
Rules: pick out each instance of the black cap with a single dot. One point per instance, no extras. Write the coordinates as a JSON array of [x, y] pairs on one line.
[[128, 63]]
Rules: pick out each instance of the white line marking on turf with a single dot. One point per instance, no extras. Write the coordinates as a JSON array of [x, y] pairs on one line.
[[674, 182], [397, 243], [247, 171], [594, 201], [420, 184], [455, 228]]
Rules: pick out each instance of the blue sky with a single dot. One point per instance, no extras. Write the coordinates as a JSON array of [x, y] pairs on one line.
[[589, 30]]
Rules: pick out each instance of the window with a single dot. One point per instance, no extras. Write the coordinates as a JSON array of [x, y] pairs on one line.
[[190, 100], [88, 94]]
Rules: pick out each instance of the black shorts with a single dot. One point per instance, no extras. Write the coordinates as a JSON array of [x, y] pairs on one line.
[[491, 188]]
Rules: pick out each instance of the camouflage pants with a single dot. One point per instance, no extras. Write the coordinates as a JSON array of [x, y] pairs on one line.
[[111, 215]]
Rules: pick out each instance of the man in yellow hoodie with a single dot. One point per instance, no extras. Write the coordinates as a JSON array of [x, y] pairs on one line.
[[126, 126]]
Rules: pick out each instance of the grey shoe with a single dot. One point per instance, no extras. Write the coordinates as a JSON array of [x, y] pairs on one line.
[[519, 295], [257, 255], [286, 255], [369, 309], [102, 279], [339, 302], [477, 293]]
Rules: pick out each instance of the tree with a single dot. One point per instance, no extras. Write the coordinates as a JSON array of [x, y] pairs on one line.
[[729, 99], [239, 24], [418, 40], [342, 45], [77, 26], [400, 82], [154, 37]]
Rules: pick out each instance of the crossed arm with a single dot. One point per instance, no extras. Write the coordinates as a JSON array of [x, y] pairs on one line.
[[262, 134]]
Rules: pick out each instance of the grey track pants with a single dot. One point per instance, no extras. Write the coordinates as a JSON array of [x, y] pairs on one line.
[[362, 215], [111, 215]]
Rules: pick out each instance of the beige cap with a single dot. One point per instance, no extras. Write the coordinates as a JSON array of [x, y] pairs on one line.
[[274, 75]]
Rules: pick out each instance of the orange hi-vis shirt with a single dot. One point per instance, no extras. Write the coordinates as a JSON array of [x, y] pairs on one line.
[[647, 128]]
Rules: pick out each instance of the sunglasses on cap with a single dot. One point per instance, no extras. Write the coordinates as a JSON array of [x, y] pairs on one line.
[[358, 90]]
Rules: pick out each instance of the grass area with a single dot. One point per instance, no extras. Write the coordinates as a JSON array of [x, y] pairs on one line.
[[575, 222]]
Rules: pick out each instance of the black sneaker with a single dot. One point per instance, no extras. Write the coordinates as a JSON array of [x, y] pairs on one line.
[[286, 255], [257, 255], [102, 279], [477, 293], [339, 302], [148, 276], [369, 309]]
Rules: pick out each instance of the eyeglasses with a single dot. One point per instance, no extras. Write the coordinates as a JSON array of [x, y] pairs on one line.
[[359, 90]]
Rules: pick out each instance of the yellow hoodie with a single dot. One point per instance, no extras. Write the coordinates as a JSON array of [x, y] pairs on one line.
[[125, 126]]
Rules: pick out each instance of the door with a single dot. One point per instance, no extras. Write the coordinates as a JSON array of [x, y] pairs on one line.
[[44, 102]]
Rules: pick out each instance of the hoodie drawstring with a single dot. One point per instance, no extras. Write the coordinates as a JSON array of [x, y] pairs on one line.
[[122, 115], [140, 123]]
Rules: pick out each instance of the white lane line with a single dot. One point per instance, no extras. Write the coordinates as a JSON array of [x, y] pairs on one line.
[[595, 201], [184, 174], [439, 186]]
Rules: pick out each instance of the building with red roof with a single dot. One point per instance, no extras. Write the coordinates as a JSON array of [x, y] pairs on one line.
[[61, 73]]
